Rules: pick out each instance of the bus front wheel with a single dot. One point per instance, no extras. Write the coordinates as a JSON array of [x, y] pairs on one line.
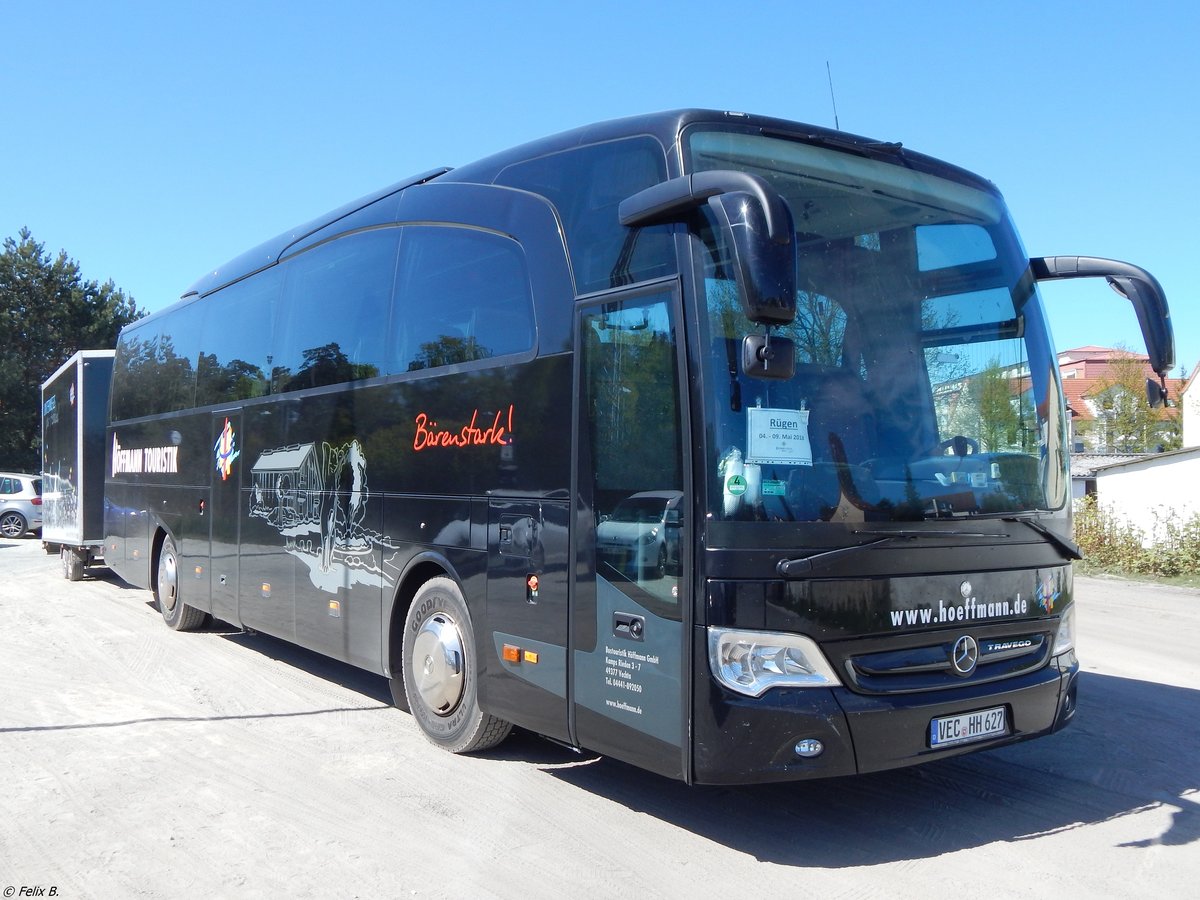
[[440, 672]]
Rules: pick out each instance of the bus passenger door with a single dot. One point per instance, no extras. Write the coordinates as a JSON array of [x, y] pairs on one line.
[[629, 652], [224, 514]]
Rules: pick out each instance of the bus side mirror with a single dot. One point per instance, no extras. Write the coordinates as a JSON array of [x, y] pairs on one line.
[[765, 266], [1156, 394], [1133, 283], [757, 227]]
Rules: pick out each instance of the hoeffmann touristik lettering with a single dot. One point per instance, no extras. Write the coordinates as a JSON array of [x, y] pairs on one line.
[[139, 460]]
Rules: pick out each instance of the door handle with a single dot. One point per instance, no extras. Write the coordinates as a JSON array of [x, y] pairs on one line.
[[629, 626]]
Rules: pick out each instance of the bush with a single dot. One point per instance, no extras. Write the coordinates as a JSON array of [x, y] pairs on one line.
[[1111, 543]]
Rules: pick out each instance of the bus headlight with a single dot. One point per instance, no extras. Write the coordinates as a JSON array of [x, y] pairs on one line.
[[753, 662], [1065, 639]]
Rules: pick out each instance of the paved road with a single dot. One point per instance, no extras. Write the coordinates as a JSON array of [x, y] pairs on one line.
[[140, 762]]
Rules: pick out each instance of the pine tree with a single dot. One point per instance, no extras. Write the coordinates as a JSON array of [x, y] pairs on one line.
[[47, 312]]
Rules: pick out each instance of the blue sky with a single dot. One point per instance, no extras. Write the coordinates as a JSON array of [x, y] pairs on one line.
[[154, 141]]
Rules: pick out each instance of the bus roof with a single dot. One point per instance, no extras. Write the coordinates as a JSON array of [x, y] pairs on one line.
[[268, 252], [666, 127]]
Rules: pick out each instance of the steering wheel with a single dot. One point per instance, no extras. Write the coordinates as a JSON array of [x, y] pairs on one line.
[[959, 444]]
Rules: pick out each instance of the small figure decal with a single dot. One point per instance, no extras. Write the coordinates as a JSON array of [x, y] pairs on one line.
[[1045, 595], [226, 450]]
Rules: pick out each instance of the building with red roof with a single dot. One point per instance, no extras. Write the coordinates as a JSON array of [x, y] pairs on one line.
[[1097, 383]]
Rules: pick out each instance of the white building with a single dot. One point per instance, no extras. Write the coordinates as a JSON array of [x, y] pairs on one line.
[[1146, 491], [1084, 467], [1189, 402]]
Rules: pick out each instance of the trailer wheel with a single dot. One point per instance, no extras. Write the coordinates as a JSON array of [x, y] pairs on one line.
[[177, 614], [73, 563], [440, 673]]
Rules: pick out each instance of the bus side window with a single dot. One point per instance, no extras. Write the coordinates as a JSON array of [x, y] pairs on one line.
[[133, 375], [461, 295], [334, 311], [155, 370], [586, 185], [235, 344]]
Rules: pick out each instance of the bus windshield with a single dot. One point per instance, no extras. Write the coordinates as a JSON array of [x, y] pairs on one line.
[[925, 384]]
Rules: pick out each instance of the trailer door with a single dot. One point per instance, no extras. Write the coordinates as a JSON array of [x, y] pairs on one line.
[[628, 615]]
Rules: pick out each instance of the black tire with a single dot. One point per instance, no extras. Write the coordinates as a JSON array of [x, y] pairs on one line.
[[72, 563], [396, 682], [13, 524], [440, 673], [399, 698], [177, 614], [660, 571]]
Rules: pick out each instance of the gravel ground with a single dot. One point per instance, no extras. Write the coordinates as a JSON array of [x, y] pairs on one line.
[[138, 762]]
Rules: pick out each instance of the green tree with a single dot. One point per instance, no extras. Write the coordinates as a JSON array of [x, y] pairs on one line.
[[997, 401], [1123, 416], [445, 351], [47, 312]]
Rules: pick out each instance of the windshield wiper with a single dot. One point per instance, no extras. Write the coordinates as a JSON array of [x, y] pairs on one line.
[[1067, 547], [913, 535], [806, 565], [838, 141]]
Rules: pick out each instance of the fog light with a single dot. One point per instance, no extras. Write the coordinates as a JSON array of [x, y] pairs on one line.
[[809, 747]]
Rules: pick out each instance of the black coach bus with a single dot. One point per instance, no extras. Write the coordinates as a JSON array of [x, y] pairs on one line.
[[727, 446]]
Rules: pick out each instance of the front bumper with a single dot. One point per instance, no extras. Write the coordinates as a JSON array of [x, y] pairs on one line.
[[739, 739]]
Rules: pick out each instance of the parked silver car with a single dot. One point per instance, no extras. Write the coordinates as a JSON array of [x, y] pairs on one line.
[[641, 536], [20, 504]]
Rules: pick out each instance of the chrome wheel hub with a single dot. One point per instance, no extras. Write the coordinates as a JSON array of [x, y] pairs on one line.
[[168, 580], [438, 664]]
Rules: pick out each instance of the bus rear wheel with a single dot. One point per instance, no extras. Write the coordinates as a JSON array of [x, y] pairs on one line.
[[177, 614], [440, 673]]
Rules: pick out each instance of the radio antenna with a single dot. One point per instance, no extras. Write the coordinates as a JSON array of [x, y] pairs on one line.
[[832, 98]]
